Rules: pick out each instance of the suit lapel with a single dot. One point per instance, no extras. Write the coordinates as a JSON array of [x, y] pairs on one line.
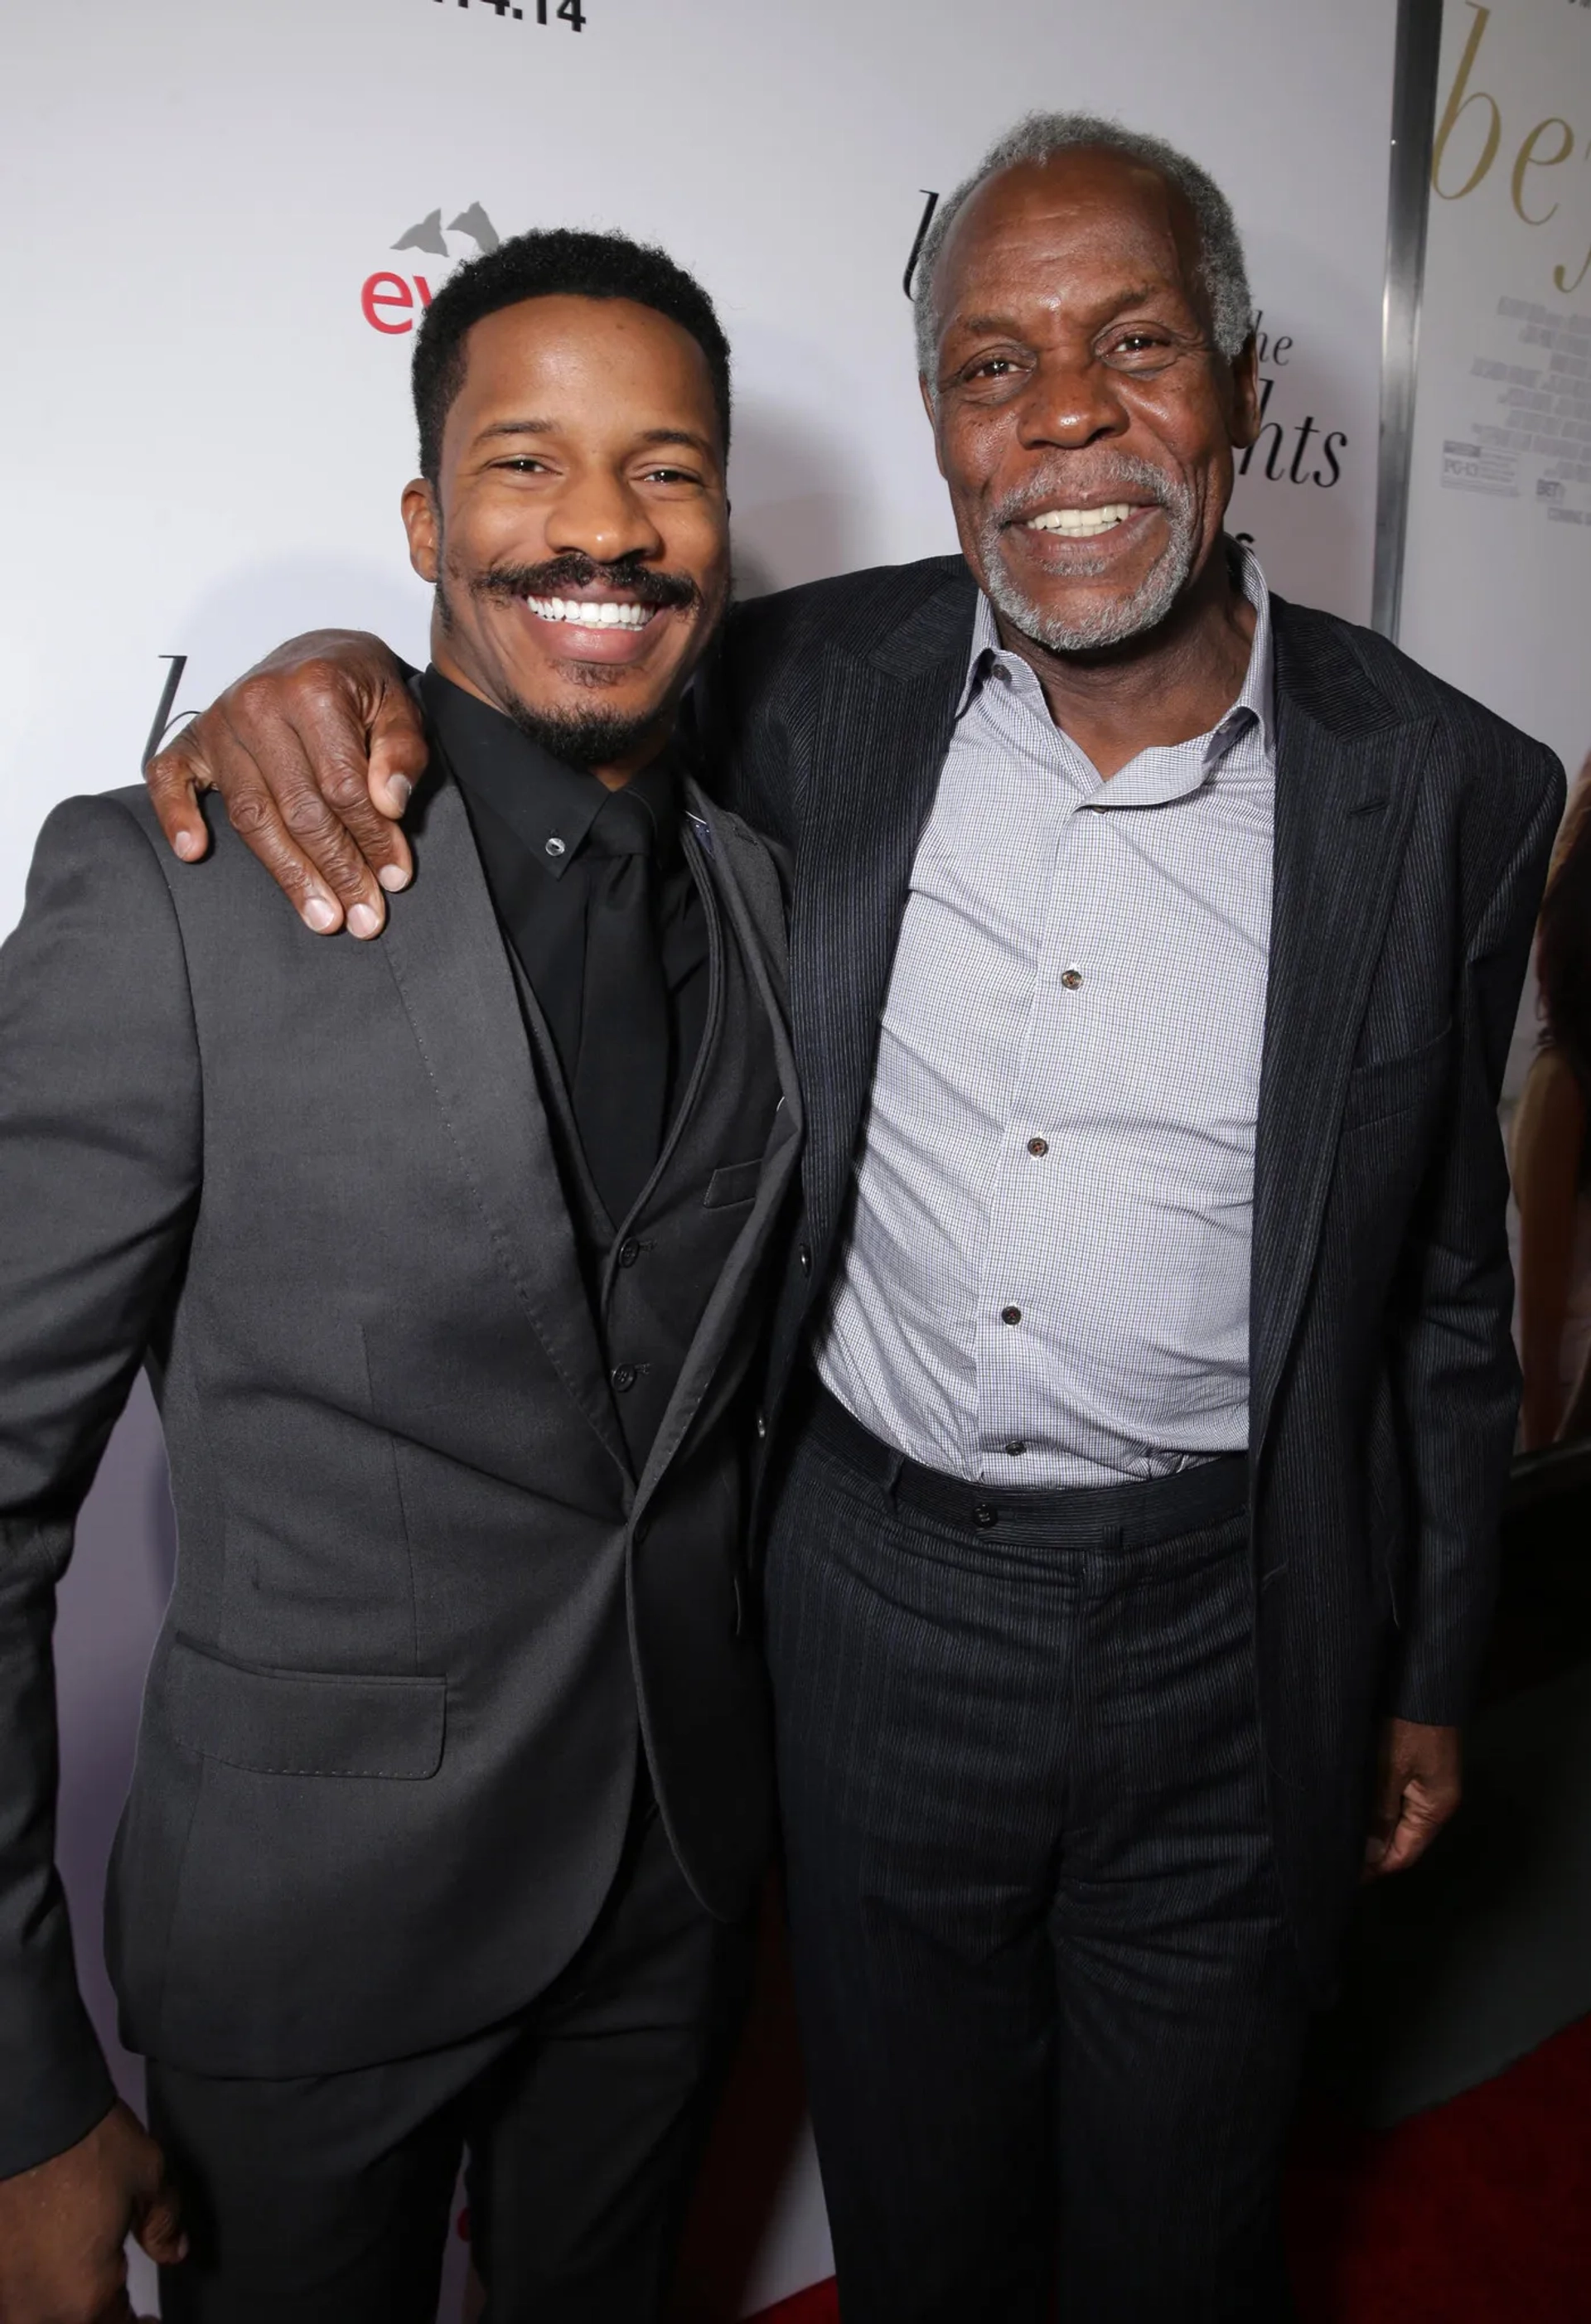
[[747, 889], [451, 968], [1346, 770], [878, 743]]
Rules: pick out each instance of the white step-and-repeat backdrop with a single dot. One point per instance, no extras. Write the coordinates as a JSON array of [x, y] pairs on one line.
[[224, 222]]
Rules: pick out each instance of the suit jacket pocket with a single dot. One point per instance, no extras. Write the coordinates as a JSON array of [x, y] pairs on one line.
[[733, 1181], [1389, 1085], [291, 1722]]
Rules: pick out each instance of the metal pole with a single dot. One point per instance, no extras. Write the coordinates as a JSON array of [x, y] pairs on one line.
[[1414, 114]]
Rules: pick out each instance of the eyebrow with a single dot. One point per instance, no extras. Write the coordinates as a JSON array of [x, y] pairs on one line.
[[648, 436], [680, 435]]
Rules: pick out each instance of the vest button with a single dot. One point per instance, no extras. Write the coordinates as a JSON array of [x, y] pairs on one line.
[[629, 1251], [804, 1260], [623, 1376], [985, 1515]]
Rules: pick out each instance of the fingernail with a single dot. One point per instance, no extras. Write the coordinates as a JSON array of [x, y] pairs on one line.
[[392, 877], [362, 920], [188, 844], [320, 915], [400, 788]]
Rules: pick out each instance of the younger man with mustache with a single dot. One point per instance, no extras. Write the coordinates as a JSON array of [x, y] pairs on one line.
[[444, 1257]]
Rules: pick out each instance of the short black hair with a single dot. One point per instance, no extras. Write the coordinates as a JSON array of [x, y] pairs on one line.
[[557, 262]]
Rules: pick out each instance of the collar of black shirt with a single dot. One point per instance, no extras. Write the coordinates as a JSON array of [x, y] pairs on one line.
[[548, 805]]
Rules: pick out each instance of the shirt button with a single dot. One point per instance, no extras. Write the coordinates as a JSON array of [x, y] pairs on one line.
[[629, 1251], [1071, 978], [555, 846], [1010, 1314], [985, 1515], [1016, 1448], [1038, 1146], [623, 1376]]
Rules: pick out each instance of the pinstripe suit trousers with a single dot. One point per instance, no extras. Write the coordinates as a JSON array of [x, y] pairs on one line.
[[1050, 2012]]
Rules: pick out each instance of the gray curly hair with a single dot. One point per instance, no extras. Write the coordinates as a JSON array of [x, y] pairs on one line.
[[1223, 275]]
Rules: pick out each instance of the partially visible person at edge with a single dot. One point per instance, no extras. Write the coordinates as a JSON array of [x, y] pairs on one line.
[[1142, 1388], [453, 1791], [1551, 1155]]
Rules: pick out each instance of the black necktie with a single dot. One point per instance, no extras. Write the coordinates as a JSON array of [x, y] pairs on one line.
[[621, 1076]]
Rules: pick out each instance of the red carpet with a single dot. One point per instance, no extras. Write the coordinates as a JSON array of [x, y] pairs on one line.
[[1478, 2212]]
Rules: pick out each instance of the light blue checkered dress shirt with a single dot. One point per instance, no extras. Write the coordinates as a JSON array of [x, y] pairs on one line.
[[1047, 1279]]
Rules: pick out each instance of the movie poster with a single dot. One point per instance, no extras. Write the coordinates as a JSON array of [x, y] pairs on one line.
[[1497, 585]]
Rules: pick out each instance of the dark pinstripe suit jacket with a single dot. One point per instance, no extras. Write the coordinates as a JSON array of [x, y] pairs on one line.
[[1412, 832]]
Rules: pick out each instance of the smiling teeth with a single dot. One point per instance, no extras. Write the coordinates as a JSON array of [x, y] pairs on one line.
[[1081, 524], [587, 615]]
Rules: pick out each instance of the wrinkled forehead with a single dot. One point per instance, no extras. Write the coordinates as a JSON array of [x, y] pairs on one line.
[[1081, 229]]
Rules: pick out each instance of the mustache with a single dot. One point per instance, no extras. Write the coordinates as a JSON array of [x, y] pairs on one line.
[[1122, 476], [556, 575]]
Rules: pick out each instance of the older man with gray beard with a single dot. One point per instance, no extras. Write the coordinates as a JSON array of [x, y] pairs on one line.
[[1141, 1391]]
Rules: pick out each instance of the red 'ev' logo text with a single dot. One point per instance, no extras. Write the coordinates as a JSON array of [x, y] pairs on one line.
[[390, 294]]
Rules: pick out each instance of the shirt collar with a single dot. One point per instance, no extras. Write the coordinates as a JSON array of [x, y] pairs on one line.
[[1256, 698], [548, 805]]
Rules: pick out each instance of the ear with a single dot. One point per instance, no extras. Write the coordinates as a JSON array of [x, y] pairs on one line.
[[423, 525], [931, 408], [1243, 426]]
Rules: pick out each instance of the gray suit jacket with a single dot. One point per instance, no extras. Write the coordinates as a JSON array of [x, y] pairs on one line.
[[422, 1608], [1413, 833]]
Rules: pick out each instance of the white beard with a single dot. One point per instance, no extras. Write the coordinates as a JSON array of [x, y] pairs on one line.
[[1111, 623]]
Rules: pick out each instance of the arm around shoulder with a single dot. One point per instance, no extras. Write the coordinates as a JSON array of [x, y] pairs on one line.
[[315, 752]]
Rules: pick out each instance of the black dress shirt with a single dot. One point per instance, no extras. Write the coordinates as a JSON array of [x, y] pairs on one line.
[[532, 816]]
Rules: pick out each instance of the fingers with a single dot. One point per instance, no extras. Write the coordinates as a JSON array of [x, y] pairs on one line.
[[295, 765], [157, 2226], [369, 854], [156, 2212], [397, 758], [211, 755], [1422, 1817], [315, 752], [175, 778], [1417, 1789], [252, 811], [1384, 1824]]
